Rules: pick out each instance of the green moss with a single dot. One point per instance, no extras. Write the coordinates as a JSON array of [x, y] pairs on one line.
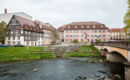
[[84, 51], [81, 55], [21, 53]]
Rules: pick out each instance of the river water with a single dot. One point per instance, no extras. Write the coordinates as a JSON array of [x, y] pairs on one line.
[[54, 69]]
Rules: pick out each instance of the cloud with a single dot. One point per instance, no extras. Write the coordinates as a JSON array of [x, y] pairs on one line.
[[59, 12]]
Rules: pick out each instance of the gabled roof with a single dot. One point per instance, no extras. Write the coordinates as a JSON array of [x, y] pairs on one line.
[[28, 24], [24, 21], [45, 26], [61, 28]]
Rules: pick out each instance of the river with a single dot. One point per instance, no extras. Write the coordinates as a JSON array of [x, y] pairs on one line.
[[55, 69]]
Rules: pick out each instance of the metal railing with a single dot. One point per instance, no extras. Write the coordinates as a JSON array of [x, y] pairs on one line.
[[117, 44]]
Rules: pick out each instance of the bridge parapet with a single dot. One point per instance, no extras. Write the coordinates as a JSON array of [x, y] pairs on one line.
[[118, 44]]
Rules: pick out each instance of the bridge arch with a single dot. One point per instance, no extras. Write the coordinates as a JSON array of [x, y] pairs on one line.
[[105, 49], [116, 56], [104, 52]]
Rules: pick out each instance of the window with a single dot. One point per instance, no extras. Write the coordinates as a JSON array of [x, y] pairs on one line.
[[104, 31], [66, 35], [8, 38], [13, 38], [82, 26], [101, 26], [18, 37], [13, 42], [104, 35], [88, 26], [85, 35], [81, 39], [9, 42], [25, 32], [68, 27], [70, 35], [93, 26], [81, 35], [18, 42]]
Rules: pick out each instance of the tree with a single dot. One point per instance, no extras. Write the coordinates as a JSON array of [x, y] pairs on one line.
[[75, 41], [55, 35], [98, 40], [3, 32], [127, 21]]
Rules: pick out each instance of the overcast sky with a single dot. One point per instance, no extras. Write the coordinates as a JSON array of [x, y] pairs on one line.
[[59, 12]]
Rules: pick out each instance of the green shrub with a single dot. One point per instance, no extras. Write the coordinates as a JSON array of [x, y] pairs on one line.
[[75, 41], [84, 51], [98, 40]]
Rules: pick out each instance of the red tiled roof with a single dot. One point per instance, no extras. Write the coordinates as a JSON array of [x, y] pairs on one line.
[[82, 26], [86, 23], [45, 26], [116, 30], [24, 21], [61, 28], [28, 24]]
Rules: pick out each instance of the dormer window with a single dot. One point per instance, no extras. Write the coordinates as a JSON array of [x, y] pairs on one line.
[[68, 27], [88, 26], [75, 26], [93, 26], [82, 26], [101, 26]]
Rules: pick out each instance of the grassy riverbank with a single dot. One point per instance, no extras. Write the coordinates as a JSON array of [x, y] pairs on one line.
[[84, 51], [21, 53]]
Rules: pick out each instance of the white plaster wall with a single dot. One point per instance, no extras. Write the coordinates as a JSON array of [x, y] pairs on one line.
[[6, 41], [22, 40]]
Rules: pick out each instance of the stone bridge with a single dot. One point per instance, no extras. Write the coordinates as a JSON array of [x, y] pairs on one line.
[[116, 51]]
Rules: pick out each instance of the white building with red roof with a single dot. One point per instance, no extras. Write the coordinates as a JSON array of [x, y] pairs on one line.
[[117, 34], [24, 31], [83, 32]]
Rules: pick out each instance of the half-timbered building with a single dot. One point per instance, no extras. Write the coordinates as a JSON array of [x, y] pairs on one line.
[[24, 31]]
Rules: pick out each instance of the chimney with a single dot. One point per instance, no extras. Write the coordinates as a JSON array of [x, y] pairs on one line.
[[5, 11]]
